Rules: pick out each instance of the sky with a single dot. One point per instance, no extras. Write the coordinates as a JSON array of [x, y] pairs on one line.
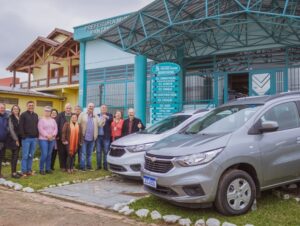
[[21, 21]]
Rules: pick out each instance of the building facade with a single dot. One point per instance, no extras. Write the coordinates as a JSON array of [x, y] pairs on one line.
[[52, 65], [226, 49]]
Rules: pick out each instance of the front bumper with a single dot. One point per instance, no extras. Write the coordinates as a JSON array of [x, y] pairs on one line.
[[193, 185], [128, 165]]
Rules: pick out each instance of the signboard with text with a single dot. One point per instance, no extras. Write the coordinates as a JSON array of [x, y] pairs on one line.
[[164, 90]]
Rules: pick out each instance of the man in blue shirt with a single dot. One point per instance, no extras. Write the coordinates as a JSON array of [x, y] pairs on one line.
[[104, 137]]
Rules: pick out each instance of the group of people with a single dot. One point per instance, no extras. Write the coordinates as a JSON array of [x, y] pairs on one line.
[[67, 134]]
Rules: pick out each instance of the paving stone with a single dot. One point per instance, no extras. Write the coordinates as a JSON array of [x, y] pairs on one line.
[[185, 222], [228, 224], [28, 189], [213, 222], [18, 187], [155, 215], [200, 222], [171, 218], [2, 181], [142, 213], [103, 193]]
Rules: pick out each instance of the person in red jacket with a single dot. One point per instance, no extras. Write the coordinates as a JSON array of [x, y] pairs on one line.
[[117, 126]]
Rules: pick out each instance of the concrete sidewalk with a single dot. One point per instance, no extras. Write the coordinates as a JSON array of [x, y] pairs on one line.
[[104, 193]]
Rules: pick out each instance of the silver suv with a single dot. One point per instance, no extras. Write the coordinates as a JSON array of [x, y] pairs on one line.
[[127, 153], [230, 155]]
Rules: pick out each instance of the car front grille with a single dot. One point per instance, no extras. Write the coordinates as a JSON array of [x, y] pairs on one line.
[[157, 164], [116, 151]]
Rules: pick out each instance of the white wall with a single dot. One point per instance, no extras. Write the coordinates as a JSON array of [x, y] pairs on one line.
[[101, 54]]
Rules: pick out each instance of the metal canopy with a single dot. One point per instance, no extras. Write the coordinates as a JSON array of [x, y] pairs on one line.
[[200, 28]]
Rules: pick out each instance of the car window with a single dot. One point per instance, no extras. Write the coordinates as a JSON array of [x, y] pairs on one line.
[[286, 115], [223, 119], [166, 124]]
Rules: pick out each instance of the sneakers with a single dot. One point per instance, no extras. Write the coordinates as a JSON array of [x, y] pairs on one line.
[[42, 172], [48, 171], [15, 175]]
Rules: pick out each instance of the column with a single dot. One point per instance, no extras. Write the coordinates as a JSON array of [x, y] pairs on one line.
[[140, 87], [29, 77], [181, 76], [70, 71], [82, 77], [48, 74], [14, 79]]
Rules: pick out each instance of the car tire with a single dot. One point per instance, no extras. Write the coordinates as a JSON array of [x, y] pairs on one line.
[[236, 193]]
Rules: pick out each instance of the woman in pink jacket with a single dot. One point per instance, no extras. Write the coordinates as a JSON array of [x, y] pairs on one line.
[[47, 133]]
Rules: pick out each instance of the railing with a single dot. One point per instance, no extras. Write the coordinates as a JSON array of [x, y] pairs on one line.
[[52, 82]]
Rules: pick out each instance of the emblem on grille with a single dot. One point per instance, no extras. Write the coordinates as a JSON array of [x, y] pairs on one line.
[[153, 159]]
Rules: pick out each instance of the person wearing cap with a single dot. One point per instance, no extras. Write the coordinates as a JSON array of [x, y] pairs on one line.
[[47, 133]]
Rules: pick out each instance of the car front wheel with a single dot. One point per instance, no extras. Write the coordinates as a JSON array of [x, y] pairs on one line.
[[236, 193]]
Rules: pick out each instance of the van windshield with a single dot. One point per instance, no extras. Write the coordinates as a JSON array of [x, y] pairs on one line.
[[223, 120], [166, 124]]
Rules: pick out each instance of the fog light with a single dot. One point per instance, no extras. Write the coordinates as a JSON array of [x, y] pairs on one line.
[[194, 190], [136, 167]]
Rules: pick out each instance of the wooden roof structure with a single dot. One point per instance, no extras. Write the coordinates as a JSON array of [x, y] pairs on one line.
[[41, 48]]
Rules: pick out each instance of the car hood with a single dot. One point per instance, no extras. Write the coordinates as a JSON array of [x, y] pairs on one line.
[[137, 138], [187, 144]]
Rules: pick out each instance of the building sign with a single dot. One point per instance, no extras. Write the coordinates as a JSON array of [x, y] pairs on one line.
[[164, 90], [261, 83], [90, 31]]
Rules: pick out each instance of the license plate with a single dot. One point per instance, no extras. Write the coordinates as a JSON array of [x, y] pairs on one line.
[[150, 181]]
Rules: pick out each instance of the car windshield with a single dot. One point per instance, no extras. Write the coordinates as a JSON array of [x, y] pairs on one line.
[[166, 124], [223, 120]]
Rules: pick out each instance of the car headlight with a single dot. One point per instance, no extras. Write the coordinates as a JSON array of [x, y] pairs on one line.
[[198, 159], [138, 148]]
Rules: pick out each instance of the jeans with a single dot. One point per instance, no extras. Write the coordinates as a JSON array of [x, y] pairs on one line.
[[62, 154], [2, 154], [28, 149], [14, 160], [103, 145], [86, 155], [46, 154]]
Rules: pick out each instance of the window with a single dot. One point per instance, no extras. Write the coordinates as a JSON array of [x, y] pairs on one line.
[[8, 100], [57, 72], [43, 103], [286, 115], [223, 120], [166, 124], [75, 69]]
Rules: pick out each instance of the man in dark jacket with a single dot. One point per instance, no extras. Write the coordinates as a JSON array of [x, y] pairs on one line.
[[3, 133], [104, 137], [63, 117], [29, 134], [132, 124]]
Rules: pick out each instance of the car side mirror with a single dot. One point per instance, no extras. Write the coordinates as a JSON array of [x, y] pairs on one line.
[[269, 126]]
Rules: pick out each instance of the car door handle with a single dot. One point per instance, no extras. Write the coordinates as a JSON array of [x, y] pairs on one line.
[[298, 140]]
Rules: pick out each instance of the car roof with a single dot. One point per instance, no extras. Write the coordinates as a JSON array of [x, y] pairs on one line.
[[261, 99]]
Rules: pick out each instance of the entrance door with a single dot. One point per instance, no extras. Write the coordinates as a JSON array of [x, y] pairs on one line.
[[262, 82], [238, 85]]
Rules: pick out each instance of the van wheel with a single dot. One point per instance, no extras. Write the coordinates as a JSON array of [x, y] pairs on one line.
[[236, 193]]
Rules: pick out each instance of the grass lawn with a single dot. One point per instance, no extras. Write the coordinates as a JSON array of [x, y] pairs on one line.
[[40, 181], [270, 211]]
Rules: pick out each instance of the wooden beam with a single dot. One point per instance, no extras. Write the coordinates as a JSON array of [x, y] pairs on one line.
[[70, 72], [48, 74], [29, 77], [14, 78]]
